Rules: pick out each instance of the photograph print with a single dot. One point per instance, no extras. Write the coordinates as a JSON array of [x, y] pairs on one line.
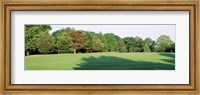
[[100, 47]]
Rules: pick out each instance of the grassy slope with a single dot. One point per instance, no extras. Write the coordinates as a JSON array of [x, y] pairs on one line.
[[102, 61]]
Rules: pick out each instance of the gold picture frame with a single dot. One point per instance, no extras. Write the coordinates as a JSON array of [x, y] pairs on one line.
[[119, 5]]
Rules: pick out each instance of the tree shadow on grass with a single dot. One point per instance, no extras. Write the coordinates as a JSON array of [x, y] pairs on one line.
[[172, 55], [117, 63], [169, 60]]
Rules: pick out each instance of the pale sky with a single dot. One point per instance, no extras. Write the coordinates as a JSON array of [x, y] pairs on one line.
[[143, 31]]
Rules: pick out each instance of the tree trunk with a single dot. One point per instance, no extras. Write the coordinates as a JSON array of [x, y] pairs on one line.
[[27, 53], [74, 51], [57, 49]]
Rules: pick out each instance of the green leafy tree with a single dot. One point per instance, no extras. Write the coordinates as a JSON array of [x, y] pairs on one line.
[[32, 34], [64, 44], [111, 41], [63, 41], [62, 32], [103, 42], [97, 44], [46, 44], [89, 40], [146, 48], [139, 44], [170, 48], [173, 47], [148, 41], [163, 42], [121, 46], [130, 43], [147, 44]]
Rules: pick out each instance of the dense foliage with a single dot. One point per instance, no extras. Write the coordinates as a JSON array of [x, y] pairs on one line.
[[69, 40], [32, 36]]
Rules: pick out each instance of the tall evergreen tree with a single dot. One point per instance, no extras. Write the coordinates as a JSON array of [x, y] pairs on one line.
[[152, 47]]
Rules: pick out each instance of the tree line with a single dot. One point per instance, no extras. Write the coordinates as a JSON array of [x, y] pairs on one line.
[[38, 40]]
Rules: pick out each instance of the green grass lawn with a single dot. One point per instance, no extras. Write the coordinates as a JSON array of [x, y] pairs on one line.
[[101, 61]]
